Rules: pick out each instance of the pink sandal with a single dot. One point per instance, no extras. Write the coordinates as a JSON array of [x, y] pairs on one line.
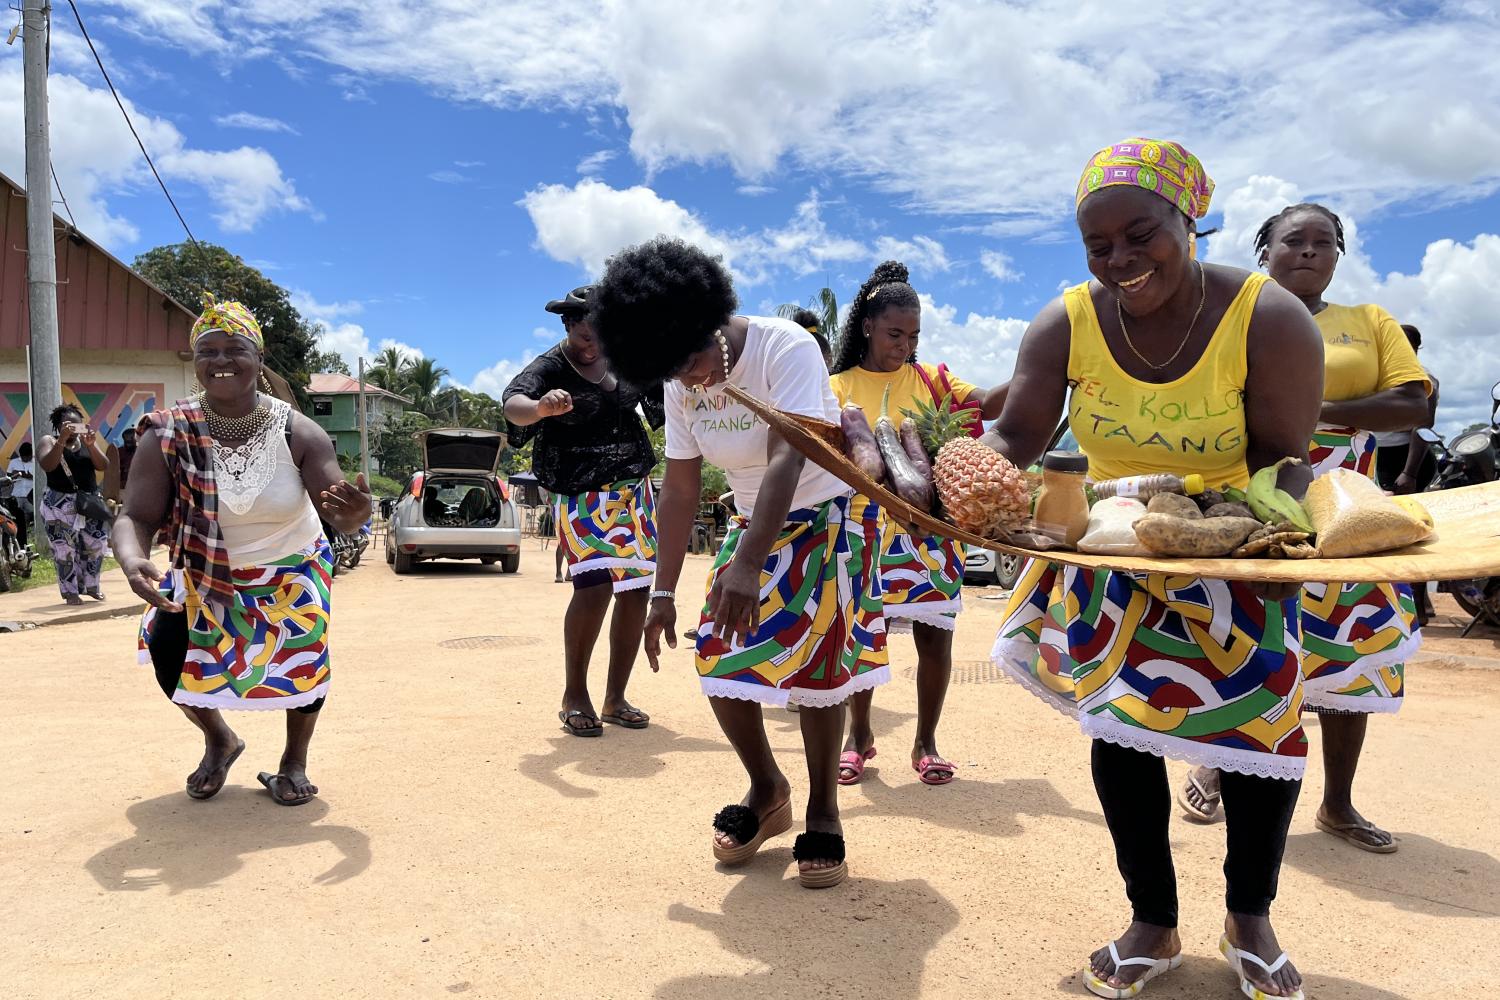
[[854, 761], [931, 768]]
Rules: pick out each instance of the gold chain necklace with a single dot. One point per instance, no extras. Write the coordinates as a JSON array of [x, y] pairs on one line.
[[563, 349], [235, 428], [1202, 297]]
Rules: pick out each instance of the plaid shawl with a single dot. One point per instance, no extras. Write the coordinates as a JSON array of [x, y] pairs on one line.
[[192, 528]]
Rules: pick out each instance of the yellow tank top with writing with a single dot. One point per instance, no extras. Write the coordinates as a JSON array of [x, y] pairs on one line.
[[1195, 423]]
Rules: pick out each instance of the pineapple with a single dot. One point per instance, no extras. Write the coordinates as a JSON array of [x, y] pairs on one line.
[[981, 491]]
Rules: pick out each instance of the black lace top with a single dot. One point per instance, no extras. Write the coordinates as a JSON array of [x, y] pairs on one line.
[[599, 442]]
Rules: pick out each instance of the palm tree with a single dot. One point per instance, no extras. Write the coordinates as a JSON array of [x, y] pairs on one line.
[[423, 378], [389, 370], [826, 305]]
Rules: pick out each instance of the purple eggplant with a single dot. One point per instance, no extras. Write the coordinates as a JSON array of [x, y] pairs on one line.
[[859, 442], [910, 484]]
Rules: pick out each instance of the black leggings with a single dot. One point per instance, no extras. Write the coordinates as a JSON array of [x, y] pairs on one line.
[[168, 646], [1137, 802]]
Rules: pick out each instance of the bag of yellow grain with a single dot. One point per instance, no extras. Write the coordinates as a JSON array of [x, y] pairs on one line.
[[1353, 517]]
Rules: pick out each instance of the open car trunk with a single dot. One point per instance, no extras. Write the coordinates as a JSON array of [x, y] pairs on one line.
[[461, 449]]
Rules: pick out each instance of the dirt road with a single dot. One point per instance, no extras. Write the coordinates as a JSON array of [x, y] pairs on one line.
[[464, 846]]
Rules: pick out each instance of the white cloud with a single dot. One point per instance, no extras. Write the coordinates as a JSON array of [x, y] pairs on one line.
[[594, 163], [493, 380], [96, 157], [999, 265], [978, 348], [258, 123], [754, 190], [313, 309], [448, 177], [1401, 102], [1454, 297], [920, 254]]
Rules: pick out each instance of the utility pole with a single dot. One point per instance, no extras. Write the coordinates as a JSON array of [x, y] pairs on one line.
[[44, 356], [364, 425]]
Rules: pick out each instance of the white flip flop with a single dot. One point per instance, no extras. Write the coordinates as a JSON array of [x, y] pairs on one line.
[[1101, 988], [1237, 957]]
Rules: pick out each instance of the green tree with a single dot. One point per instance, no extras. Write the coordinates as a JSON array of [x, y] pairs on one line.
[[185, 271], [328, 361], [389, 370], [826, 305], [424, 379], [394, 446]]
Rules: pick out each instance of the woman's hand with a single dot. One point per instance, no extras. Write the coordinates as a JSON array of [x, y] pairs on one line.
[[68, 432], [734, 603], [661, 620], [143, 576], [1405, 484], [346, 505], [555, 403]]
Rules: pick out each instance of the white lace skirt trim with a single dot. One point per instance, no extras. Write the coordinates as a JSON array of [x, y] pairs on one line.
[[719, 687], [1013, 657], [233, 704], [1314, 690], [942, 615], [1352, 704]]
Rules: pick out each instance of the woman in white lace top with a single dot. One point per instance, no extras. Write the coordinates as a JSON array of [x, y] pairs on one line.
[[236, 480]]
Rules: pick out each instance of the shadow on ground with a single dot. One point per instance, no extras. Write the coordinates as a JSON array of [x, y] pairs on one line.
[[619, 753], [869, 937], [185, 844], [992, 808], [1424, 876]]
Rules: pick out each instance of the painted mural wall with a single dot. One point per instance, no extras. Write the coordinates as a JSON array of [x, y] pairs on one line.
[[111, 407]]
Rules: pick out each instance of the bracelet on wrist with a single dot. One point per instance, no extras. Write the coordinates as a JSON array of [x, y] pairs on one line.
[[669, 595]]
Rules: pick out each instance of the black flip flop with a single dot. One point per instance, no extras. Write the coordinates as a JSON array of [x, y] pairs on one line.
[[620, 720], [269, 780], [228, 763], [597, 729]]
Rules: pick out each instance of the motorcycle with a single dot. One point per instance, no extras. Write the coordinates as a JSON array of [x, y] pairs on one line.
[[16, 553], [347, 547], [1469, 459]]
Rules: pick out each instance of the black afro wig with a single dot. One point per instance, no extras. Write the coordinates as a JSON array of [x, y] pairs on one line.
[[658, 304]]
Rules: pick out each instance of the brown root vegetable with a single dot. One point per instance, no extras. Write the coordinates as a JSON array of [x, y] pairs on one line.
[[910, 484], [1229, 509], [911, 442], [1204, 538], [1209, 498], [1173, 505], [859, 442]]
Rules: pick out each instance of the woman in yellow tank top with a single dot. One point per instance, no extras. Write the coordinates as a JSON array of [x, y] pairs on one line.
[[922, 578], [1356, 637], [1168, 365]]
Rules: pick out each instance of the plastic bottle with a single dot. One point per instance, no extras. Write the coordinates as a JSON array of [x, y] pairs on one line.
[[1062, 506], [1146, 487]]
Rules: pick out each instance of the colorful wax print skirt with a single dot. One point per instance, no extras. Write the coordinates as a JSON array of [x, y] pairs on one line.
[[922, 578], [611, 529], [821, 636], [1356, 637], [271, 648], [1177, 666]]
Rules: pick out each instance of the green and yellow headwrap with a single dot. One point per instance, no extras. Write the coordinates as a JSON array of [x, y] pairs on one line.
[[1162, 167], [227, 317]]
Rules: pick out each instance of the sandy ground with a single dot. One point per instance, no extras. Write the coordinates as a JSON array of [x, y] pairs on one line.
[[464, 846]]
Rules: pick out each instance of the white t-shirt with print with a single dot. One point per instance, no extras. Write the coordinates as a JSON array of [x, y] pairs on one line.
[[781, 364], [22, 488]]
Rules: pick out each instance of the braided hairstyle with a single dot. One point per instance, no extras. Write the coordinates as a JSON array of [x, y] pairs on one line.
[[886, 287], [1263, 234]]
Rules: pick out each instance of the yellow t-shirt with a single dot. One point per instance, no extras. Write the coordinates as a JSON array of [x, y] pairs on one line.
[[1365, 351], [1195, 423], [866, 388]]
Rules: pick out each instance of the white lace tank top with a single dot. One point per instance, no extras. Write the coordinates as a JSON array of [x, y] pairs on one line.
[[264, 511]]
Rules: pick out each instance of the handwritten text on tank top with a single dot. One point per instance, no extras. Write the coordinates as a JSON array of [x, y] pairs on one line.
[[1153, 419]]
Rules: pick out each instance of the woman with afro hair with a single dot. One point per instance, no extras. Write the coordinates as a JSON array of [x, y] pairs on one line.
[[794, 607], [922, 578]]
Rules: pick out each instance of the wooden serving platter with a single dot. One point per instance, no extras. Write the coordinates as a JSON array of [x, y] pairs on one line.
[[1466, 543]]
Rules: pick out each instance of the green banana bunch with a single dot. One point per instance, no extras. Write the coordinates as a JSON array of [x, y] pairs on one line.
[[1271, 503]]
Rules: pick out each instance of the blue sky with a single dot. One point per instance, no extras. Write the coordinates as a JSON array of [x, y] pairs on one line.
[[430, 174]]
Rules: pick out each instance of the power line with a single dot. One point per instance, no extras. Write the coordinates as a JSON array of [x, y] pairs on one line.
[[71, 221], [131, 125]]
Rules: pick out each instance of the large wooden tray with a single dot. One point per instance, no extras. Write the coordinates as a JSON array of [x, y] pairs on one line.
[[1466, 544]]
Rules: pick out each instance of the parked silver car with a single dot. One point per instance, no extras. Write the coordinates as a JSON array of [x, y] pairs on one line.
[[986, 566], [456, 507]]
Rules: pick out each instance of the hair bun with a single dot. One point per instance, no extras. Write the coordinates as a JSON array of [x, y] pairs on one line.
[[888, 271]]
